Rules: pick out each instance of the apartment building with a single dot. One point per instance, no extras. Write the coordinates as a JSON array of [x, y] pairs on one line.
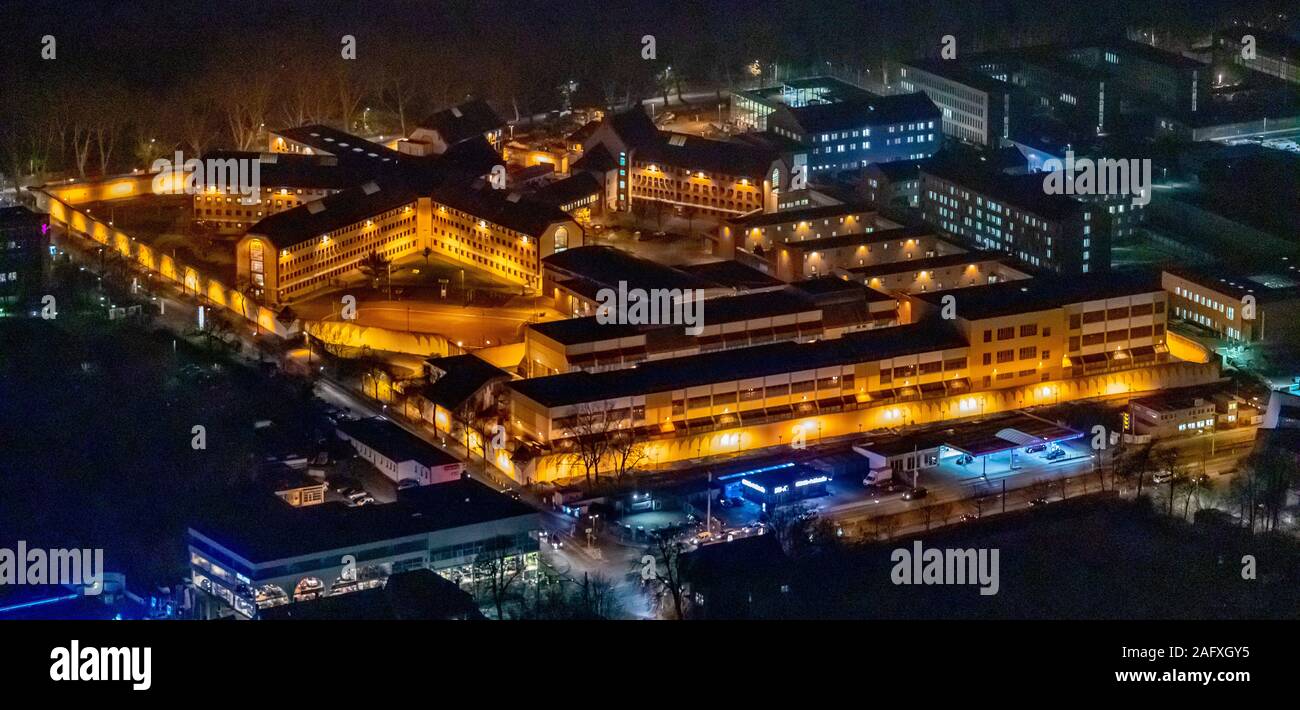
[[1014, 214], [286, 180]]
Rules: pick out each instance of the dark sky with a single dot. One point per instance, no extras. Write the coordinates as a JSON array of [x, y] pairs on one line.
[[148, 43]]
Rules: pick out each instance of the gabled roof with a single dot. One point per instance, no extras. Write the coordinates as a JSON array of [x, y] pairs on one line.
[[395, 443], [510, 210], [340, 143], [596, 158], [694, 153], [318, 218], [562, 192], [462, 376], [464, 121], [635, 128], [296, 170]]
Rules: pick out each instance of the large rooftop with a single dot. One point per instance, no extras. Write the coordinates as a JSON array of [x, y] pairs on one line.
[[1025, 296], [725, 366], [282, 531]]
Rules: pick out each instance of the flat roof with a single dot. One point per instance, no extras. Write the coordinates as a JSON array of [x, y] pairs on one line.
[[1024, 192], [861, 238], [934, 262], [764, 219], [261, 528], [960, 74], [1029, 295], [720, 309], [772, 477], [995, 434], [873, 111], [729, 365], [394, 442], [607, 266]]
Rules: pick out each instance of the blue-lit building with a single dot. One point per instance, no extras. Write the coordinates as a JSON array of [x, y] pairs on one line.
[[849, 134], [780, 484]]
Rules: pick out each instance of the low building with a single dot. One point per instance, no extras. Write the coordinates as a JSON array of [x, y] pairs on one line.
[[783, 484], [399, 454], [811, 258], [896, 184], [845, 136], [756, 233], [1171, 414], [418, 595], [299, 554], [938, 273]]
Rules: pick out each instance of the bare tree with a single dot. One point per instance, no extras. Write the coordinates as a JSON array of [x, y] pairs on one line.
[[664, 555], [589, 437], [496, 571]]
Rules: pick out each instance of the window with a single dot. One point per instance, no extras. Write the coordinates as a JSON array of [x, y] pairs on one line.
[[1006, 333], [1028, 330], [1006, 355], [1028, 353]]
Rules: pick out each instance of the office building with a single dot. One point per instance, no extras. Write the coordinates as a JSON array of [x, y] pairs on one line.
[[974, 107], [24, 257], [847, 135], [1013, 214]]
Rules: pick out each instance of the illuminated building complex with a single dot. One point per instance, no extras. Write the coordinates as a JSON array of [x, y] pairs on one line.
[[294, 253], [638, 163], [1010, 345]]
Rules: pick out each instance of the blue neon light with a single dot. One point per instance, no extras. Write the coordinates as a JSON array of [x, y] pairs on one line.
[[765, 469], [39, 602]]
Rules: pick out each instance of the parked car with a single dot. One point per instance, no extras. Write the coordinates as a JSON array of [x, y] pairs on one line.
[[356, 494], [1036, 448], [964, 459], [406, 483], [1055, 454], [915, 494]]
